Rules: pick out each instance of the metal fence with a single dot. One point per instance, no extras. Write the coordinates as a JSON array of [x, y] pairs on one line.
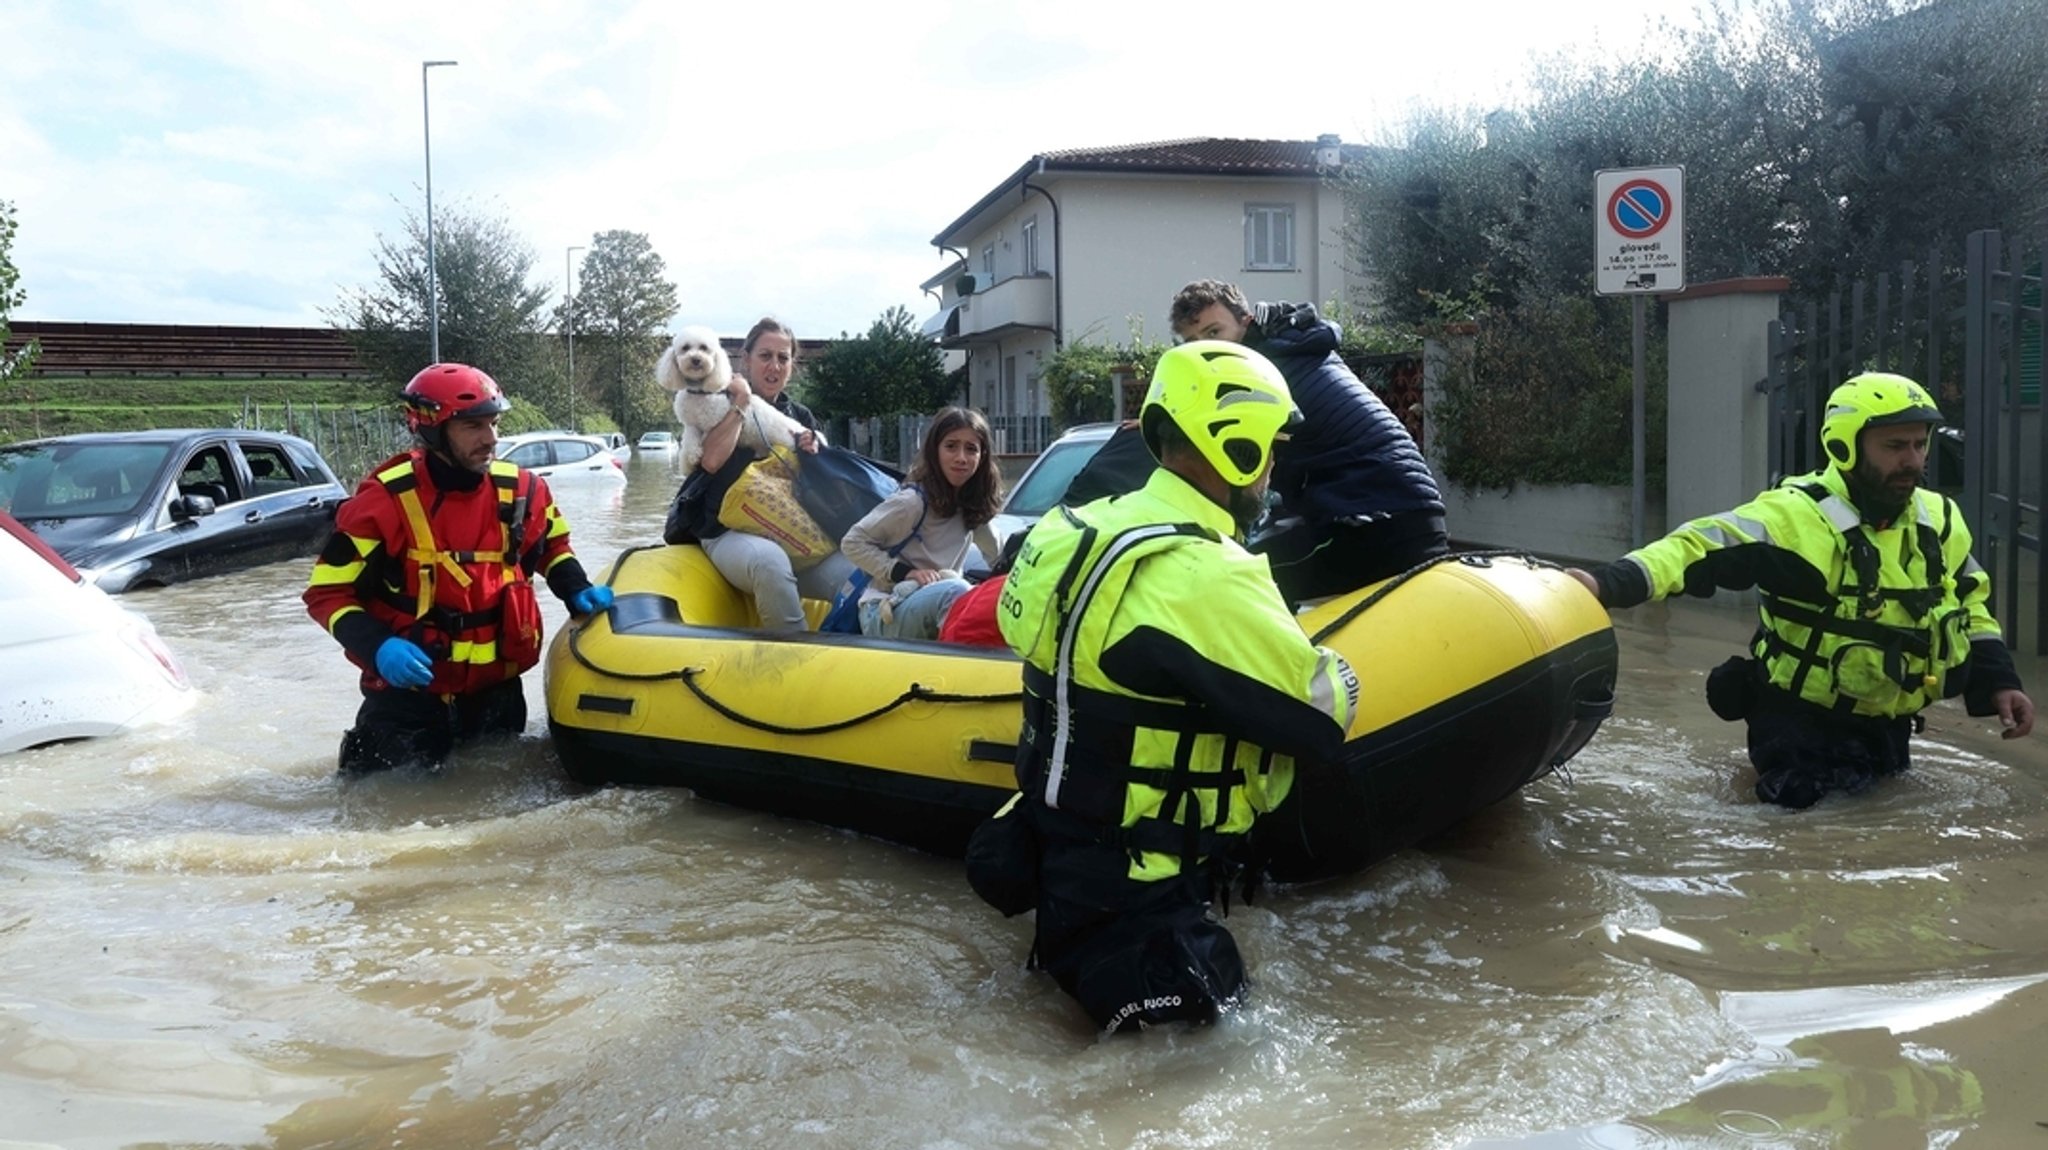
[[1911, 325], [894, 439], [351, 439], [891, 439], [2004, 484]]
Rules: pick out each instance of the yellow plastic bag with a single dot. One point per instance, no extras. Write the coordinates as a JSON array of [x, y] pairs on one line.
[[762, 501]]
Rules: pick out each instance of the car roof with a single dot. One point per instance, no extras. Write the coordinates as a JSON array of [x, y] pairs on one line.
[[533, 436], [1090, 431], [164, 435]]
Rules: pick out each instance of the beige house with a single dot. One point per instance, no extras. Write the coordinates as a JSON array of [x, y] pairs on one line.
[[1091, 245]]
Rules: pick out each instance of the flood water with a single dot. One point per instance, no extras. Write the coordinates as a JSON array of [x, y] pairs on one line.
[[205, 939]]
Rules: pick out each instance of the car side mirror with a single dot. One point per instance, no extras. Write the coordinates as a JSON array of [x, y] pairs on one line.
[[189, 507]]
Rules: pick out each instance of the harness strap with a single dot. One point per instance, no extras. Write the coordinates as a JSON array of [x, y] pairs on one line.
[[1861, 583], [1147, 835], [1071, 614], [1910, 642], [424, 555], [429, 559]]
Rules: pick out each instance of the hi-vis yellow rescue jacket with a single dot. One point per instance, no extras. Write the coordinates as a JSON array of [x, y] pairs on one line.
[[1167, 686], [1858, 617]]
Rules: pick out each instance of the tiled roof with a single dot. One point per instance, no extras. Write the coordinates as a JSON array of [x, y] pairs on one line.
[[1201, 154]]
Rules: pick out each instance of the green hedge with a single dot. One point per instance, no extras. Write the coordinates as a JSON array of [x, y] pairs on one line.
[[1546, 396]]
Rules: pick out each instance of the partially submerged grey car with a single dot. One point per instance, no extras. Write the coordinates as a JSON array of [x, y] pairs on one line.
[[134, 509]]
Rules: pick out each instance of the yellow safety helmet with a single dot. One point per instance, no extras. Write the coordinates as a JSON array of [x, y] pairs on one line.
[[1230, 401], [1873, 399]]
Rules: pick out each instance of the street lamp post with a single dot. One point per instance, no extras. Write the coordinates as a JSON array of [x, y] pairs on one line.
[[569, 319], [433, 292]]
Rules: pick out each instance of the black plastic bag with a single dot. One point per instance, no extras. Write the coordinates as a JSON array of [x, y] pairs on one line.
[[839, 487]]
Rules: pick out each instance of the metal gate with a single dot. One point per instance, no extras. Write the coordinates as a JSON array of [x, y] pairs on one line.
[[1972, 334]]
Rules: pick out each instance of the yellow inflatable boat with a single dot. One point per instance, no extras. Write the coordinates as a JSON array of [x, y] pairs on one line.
[[1479, 674]]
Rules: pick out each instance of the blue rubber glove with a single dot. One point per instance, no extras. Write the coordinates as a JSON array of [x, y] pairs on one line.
[[403, 664], [590, 600]]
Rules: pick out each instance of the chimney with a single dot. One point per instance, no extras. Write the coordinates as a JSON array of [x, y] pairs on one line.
[[1329, 153]]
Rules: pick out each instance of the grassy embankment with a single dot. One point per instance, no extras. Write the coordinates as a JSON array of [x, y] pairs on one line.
[[348, 419], [54, 406]]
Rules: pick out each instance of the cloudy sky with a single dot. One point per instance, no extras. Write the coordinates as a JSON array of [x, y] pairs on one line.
[[236, 162]]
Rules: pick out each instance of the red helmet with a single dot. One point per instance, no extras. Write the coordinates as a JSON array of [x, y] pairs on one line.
[[446, 391]]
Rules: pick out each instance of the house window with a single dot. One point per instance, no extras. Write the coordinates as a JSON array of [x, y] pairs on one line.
[[988, 265], [1031, 246], [1269, 237]]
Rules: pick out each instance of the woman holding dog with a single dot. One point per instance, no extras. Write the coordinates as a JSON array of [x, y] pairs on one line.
[[914, 544], [752, 563]]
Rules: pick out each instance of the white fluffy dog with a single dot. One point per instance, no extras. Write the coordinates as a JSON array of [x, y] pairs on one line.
[[697, 371]]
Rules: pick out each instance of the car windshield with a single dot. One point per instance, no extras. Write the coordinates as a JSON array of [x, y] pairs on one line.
[[75, 480], [1049, 477]]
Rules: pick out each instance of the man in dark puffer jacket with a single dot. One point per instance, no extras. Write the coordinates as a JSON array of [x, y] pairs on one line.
[[1357, 502]]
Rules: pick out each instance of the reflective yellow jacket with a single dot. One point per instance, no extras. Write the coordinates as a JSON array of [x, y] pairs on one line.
[[1859, 617], [1167, 686]]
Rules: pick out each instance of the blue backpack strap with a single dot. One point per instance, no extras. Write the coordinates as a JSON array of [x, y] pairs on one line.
[[924, 507]]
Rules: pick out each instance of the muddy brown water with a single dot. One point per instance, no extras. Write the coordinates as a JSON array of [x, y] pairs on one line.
[[206, 940]]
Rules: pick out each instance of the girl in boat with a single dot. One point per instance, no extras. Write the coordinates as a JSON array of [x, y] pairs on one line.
[[913, 546]]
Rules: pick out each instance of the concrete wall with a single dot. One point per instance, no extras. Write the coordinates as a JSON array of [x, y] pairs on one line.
[[1716, 433], [1578, 521]]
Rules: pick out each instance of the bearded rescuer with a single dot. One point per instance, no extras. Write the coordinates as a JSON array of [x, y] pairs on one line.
[[1166, 687], [1870, 603], [426, 582]]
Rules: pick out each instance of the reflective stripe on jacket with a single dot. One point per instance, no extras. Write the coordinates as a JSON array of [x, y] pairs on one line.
[[1858, 617], [1167, 687]]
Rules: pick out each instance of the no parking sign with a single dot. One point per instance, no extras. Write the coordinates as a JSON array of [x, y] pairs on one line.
[[1639, 241]]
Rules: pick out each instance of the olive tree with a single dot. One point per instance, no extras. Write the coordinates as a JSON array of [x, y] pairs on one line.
[[492, 312], [1825, 140]]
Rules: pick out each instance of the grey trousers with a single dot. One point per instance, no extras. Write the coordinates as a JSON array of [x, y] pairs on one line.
[[757, 567]]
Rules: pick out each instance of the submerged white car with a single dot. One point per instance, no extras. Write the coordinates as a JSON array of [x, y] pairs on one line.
[[560, 457], [1044, 484], [74, 663]]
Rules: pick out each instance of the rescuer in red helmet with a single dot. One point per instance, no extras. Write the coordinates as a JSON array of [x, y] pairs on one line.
[[427, 580]]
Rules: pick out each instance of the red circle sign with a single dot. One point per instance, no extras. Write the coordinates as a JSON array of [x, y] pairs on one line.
[[1639, 209]]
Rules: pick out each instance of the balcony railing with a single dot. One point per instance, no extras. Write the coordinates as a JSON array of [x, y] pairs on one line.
[[1017, 302]]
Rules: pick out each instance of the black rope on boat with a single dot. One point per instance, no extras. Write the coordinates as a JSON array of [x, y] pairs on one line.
[[1387, 588], [916, 693]]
